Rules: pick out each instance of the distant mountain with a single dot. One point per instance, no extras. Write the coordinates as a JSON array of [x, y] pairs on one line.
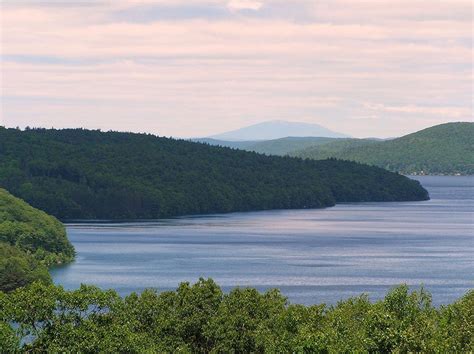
[[442, 149], [281, 147], [277, 129]]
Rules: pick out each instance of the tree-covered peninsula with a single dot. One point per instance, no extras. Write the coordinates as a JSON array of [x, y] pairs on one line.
[[83, 174], [30, 241]]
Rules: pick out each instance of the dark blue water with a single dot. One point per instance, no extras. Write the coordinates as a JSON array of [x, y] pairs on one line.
[[313, 256]]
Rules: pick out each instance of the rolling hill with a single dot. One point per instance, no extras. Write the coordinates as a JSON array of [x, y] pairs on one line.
[[277, 129], [33, 231], [83, 174], [442, 149], [280, 147], [331, 149], [30, 241]]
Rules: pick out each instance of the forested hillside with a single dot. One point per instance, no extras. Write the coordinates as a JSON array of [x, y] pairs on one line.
[[332, 148], [30, 240], [95, 175], [442, 149]]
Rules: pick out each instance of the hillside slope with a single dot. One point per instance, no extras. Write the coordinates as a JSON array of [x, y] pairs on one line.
[[30, 241], [81, 174], [279, 147], [32, 230], [442, 149], [331, 149]]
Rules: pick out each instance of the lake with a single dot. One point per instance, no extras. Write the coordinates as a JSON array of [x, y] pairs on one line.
[[313, 256]]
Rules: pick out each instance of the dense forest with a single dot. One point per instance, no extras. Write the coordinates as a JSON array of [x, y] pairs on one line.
[[200, 318], [30, 241], [83, 174], [442, 149]]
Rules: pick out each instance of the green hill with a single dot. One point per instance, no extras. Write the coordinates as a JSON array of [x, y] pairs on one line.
[[280, 147], [30, 240], [81, 174], [331, 148], [33, 231], [442, 149]]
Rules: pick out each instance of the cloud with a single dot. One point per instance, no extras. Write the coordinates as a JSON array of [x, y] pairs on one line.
[[449, 111], [244, 5], [190, 68]]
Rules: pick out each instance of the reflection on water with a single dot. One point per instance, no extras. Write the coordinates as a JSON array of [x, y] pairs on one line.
[[313, 256]]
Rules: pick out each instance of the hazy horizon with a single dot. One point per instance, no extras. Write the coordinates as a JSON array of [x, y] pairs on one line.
[[198, 68]]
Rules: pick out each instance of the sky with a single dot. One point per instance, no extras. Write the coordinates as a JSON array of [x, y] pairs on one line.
[[191, 68]]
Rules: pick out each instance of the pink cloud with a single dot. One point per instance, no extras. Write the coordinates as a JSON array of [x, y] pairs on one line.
[[218, 74]]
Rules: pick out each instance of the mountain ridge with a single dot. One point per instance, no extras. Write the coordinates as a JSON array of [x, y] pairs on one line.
[[276, 129]]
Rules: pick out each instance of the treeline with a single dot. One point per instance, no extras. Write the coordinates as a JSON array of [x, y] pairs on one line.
[[30, 241], [200, 318], [82, 174]]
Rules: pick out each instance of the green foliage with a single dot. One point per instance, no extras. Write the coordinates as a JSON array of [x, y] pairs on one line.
[[9, 343], [442, 149], [242, 318], [33, 231], [403, 322], [81, 174], [19, 269], [30, 240], [199, 318], [456, 334]]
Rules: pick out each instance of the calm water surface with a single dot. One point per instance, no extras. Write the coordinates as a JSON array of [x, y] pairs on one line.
[[313, 256]]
